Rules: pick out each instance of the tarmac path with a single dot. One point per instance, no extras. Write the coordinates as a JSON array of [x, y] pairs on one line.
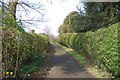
[[63, 65]]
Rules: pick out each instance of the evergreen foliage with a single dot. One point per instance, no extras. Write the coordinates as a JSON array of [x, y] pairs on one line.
[[102, 45]]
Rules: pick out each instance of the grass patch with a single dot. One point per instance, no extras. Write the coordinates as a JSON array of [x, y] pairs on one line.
[[93, 69], [100, 73], [33, 67], [77, 56]]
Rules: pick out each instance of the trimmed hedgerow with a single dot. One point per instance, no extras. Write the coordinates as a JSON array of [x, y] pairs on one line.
[[102, 45], [21, 48]]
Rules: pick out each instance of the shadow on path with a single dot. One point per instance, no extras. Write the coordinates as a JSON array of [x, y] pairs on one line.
[[62, 65]]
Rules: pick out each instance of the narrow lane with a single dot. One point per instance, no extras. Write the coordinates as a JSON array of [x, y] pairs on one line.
[[65, 66]]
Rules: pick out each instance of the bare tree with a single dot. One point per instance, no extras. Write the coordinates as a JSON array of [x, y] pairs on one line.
[[14, 6], [48, 32]]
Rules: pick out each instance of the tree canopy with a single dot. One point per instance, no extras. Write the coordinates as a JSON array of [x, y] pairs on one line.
[[95, 15]]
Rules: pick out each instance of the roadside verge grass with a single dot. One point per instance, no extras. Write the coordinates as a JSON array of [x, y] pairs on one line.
[[93, 69], [77, 56]]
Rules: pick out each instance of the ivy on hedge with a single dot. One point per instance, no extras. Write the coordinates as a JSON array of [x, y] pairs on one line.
[[101, 44]]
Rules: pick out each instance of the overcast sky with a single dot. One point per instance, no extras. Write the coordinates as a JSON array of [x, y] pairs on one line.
[[58, 11], [54, 14]]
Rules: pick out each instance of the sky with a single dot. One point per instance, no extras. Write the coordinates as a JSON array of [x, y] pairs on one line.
[[55, 13]]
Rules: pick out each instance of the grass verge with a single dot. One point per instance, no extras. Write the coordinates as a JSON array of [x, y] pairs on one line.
[[77, 56], [93, 69]]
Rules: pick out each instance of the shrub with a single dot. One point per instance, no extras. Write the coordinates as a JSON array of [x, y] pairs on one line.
[[102, 45], [19, 48]]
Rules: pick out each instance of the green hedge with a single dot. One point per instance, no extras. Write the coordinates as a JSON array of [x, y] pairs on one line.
[[21, 48], [102, 45]]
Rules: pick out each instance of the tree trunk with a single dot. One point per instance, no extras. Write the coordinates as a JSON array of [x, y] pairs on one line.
[[12, 7]]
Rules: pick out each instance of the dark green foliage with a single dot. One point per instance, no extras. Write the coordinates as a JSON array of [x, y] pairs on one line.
[[96, 15], [19, 26], [71, 23], [34, 66], [102, 45], [101, 14]]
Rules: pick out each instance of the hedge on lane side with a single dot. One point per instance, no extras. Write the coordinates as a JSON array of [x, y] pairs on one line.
[[19, 48], [101, 44]]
